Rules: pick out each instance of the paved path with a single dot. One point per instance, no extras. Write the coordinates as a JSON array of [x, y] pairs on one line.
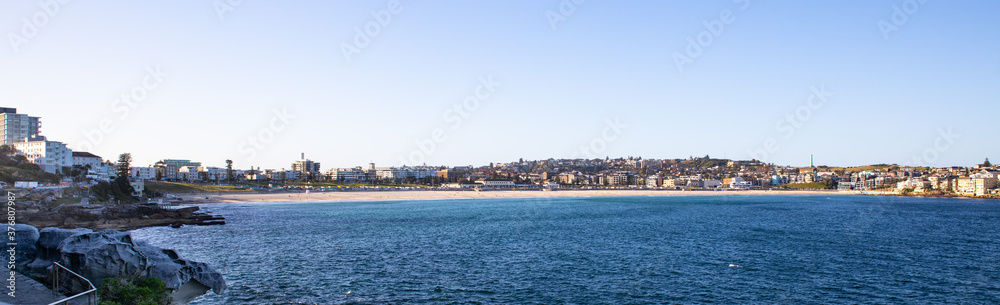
[[27, 291]]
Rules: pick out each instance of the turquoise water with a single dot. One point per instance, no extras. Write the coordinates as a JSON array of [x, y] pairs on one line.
[[612, 250]]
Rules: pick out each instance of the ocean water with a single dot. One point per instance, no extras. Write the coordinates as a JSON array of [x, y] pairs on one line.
[[608, 250]]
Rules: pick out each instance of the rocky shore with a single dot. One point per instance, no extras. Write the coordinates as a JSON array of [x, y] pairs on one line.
[[110, 253], [42, 210]]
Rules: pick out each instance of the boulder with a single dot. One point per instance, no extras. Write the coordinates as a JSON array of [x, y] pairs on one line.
[[48, 249], [26, 240], [110, 253]]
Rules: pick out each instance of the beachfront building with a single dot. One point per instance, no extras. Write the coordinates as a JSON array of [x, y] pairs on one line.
[[711, 184], [305, 168], [673, 183], [51, 156], [213, 173], [347, 174], [16, 127], [965, 186], [984, 186], [461, 185], [398, 173], [653, 181], [619, 178], [739, 183], [496, 183]]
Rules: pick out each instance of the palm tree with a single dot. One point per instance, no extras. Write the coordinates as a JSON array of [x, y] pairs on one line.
[[229, 170]]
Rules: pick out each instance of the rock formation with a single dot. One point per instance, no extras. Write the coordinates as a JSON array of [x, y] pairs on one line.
[[110, 253]]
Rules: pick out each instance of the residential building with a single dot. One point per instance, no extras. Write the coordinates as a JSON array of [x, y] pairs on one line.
[[188, 173], [965, 186], [168, 168], [305, 166], [653, 181], [142, 173], [15, 127], [984, 186], [347, 174], [739, 183], [51, 156], [86, 159]]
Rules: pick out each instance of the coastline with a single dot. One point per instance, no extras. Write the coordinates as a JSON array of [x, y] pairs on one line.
[[208, 198]]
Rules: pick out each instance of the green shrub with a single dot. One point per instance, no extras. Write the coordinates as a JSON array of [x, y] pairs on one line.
[[133, 291]]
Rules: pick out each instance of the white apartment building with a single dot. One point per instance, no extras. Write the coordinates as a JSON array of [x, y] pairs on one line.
[[652, 181], [188, 173], [347, 174], [142, 173], [51, 156], [84, 159], [16, 127]]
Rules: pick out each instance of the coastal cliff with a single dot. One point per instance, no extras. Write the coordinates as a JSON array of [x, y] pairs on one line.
[[110, 253]]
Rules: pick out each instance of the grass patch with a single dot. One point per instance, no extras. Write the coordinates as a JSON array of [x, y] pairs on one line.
[[68, 200], [799, 186], [177, 187]]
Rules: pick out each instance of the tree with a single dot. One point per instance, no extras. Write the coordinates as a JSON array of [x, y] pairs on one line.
[[122, 181], [124, 164], [229, 170], [987, 163]]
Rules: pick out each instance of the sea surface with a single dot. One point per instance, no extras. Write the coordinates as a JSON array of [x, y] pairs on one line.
[[603, 250]]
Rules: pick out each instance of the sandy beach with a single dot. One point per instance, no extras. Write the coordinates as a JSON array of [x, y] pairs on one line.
[[420, 195]]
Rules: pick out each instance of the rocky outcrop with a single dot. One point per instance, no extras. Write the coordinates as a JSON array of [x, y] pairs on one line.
[[28, 237], [110, 253], [116, 217]]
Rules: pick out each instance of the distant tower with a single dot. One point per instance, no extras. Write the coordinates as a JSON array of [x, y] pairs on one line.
[[371, 165], [811, 161], [303, 156]]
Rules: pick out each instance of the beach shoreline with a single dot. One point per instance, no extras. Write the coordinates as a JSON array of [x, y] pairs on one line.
[[208, 198]]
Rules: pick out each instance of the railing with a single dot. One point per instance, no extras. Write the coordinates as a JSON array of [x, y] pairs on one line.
[[91, 293]]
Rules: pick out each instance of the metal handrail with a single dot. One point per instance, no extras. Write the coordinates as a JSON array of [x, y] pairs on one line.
[[55, 286]]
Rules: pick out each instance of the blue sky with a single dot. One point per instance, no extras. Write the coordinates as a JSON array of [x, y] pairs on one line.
[[924, 94]]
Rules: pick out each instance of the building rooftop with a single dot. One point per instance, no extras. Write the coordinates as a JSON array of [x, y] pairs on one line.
[[83, 154]]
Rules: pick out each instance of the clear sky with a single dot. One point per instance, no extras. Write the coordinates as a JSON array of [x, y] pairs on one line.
[[905, 82]]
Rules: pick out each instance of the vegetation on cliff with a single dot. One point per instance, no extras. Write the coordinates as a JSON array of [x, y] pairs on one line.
[[124, 290]]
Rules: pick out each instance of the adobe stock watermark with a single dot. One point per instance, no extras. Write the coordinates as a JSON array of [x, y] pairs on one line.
[[364, 35], [123, 107], [224, 7], [613, 128], [792, 122], [713, 29], [942, 143], [899, 16], [258, 142], [32, 25], [455, 116], [565, 9]]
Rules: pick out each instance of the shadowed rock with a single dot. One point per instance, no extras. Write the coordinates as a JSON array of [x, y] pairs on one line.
[[110, 253]]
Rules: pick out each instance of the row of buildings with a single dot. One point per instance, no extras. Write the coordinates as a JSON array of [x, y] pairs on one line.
[[22, 131]]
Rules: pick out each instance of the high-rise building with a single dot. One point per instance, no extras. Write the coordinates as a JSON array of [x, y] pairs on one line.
[[15, 127], [305, 166]]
